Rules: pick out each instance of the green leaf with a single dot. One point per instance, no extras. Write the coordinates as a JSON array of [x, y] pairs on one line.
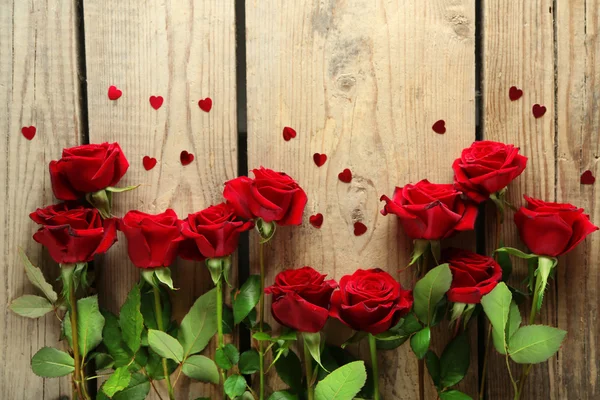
[[420, 246], [515, 252], [342, 384], [201, 369], [227, 320], [454, 395], [496, 306], [505, 263], [283, 395], [514, 321], [262, 337], [313, 341], [90, 323], [31, 306], [102, 361], [454, 362], [121, 190], [117, 382], [131, 319], [148, 310], [138, 388], [112, 338], [287, 367], [165, 345], [249, 362], [235, 386], [154, 366], [545, 267], [200, 324], [227, 356], [246, 299], [535, 343], [164, 276], [36, 277], [433, 366], [49, 362], [419, 342], [430, 290]]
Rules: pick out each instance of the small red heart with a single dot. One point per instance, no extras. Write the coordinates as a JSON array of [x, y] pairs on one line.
[[439, 127], [316, 220], [538, 111], [156, 102], [114, 93], [514, 93], [186, 158], [345, 176], [319, 159], [205, 104], [359, 228], [288, 133], [587, 178], [28, 132], [149, 162]]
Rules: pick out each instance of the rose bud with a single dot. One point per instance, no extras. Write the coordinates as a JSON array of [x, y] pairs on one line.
[[72, 233], [552, 229], [152, 240], [301, 299], [473, 275], [430, 211], [486, 168], [370, 301]]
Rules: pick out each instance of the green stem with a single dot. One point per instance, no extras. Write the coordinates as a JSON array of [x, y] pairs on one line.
[[374, 366], [75, 337], [512, 379], [261, 354], [220, 340], [159, 322], [310, 392]]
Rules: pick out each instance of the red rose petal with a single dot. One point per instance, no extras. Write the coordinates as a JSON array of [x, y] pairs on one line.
[[149, 162], [319, 159], [439, 127], [345, 176], [514, 93], [156, 102], [205, 104], [114, 93], [186, 158], [288, 133], [538, 110], [316, 220], [28, 132], [359, 228], [587, 178]]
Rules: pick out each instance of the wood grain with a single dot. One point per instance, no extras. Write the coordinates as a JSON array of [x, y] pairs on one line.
[[183, 50], [362, 82], [39, 87]]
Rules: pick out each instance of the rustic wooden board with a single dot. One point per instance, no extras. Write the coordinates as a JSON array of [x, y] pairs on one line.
[[183, 51], [38, 86], [362, 82], [578, 150]]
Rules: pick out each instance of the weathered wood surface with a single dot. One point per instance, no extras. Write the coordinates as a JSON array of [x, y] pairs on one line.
[[39, 87]]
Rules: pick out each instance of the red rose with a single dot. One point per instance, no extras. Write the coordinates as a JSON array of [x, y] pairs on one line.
[[211, 233], [73, 234], [487, 167], [473, 275], [430, 211], [152, 240], [87, 169], [272, 196], [552, 229], [301, 299], [370, 301]]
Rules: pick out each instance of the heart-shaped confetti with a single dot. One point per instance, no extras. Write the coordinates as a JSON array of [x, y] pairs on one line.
[[316, 220], [114, 93], [288, 133], [149, 162], [439, 127], [28, 132], [587, 178], [359, 228], [186, 158], [538, 110], [319, 159], [156, 102], [205, 104], [514, 93], [345, 176]]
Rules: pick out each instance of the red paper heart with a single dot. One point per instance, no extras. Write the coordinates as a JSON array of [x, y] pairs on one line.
[[345, 176], [587, 178], [359, 228], [156, 102], [316, 220], [319, 159], [538, 111], [439, 127], [114, 93], [514, 93], [149, 162], [186, 158], [288, 133], [28, 132], [205, 104]]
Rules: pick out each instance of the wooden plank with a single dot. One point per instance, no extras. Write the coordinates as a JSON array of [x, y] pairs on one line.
[[578, 149], [362, 82], [39, 87], [183, 51], [518, 50]]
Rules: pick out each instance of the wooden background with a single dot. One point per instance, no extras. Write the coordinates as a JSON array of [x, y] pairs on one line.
[[361, 81]]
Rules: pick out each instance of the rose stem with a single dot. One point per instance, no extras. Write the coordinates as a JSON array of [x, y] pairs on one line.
[[374, 365], [309, 372], [74, 334], [261, 354], [220, 342], [159, 322]]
